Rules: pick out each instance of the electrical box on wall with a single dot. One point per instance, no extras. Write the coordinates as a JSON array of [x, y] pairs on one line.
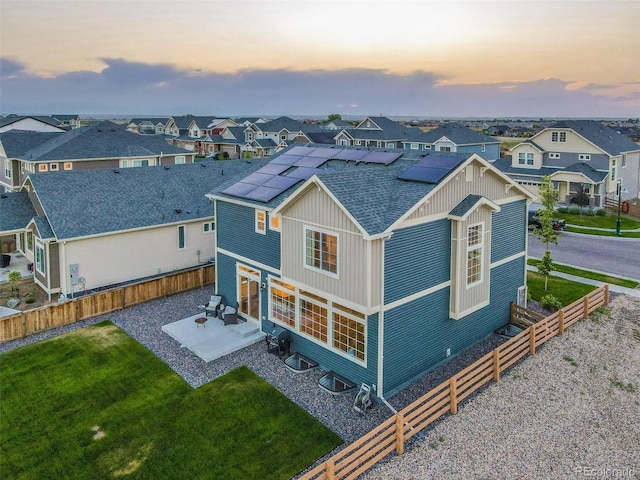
[[73, 272]]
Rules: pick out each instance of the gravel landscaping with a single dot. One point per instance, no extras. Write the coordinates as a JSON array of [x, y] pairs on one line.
[[571, 411], [501, 431]]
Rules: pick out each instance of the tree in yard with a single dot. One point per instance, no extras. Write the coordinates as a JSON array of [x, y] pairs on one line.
[[545, 231], [581, 198], [14, 278]]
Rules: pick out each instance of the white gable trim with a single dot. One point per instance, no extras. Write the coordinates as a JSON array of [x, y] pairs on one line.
[[481, 202], [566, 129], [368, 119]]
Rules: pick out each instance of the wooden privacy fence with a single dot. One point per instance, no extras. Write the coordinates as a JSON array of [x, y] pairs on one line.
[[392, 434], [87, 306], [611, 205]]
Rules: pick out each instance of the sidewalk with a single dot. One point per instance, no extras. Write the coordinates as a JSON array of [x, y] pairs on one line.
[[632, 292], [599, 229]]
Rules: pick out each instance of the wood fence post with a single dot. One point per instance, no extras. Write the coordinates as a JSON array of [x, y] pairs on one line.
[[606, 295], [201, 273], [399, 433], [586, 306], [76, 306], [561, 322], [453, 396], [512, 312], [532, 340], [331, 469], [24, 324], [496, 365], [163, 283], [122, 298]]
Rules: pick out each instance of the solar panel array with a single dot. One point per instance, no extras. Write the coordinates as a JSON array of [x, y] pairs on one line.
[[297, 164], [431, 169]]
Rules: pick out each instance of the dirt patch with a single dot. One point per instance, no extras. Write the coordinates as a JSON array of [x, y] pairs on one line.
[[134, 464], [26, 290], [104, 335]]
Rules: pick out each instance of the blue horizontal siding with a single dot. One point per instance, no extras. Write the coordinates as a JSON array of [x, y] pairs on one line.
[[509, 230], [236, 233], [418, 334], [417, 258]]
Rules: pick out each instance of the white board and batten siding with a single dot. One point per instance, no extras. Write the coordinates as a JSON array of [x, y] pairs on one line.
[[358, 278]]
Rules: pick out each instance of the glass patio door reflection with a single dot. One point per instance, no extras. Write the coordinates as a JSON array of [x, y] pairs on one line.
[[248, 292]]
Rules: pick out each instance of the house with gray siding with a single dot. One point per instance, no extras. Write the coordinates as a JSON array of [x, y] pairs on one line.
[[381, 264], [455, 137]]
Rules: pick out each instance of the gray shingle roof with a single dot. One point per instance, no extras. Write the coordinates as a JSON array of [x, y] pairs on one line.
[[465, 205], [17, 143], [16, 118], [16, 210], [459, 134], [185, 121], [92, 202], [588, 171], [279, 123], [601, 135], [102, 140], [44, 227]]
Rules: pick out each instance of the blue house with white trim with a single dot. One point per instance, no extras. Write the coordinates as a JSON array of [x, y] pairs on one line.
[[381, 264]]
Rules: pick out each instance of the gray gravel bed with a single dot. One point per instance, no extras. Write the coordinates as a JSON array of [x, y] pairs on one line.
[[571, 411]]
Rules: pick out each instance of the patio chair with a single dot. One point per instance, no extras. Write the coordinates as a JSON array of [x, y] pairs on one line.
[[213, 307], [6, 260], [230, 315]]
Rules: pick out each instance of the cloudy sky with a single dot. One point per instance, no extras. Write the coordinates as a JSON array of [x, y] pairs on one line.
[[451, 58]]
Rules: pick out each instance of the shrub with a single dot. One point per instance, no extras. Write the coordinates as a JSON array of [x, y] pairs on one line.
[[601, 213], [30, 299], [574, 211], [562, 209], [591, 212], [551, 303]]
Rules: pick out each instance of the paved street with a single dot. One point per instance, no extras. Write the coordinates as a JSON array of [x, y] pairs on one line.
[[618, 256]]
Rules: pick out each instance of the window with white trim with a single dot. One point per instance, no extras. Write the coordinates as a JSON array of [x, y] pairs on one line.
[[474, 254], [554, 156], [182, 237], [390, 145], [180, 160], [43, 167], [313, 316], [444, 149], [283, 302], [39, 254], [584, 156], [30, 241], [209, 227], [321, 250], [623, 163], [348, 331], [7, 168], [53, 167], [613, 169], [413, 146], [559, 137], [343, 142], [68, 166], [525, 158], [274, 223], [483, 147], [261, 222]]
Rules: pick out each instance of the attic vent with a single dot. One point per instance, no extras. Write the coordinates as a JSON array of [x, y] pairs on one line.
[[178, 210], [3, 195], [166, 167], [203, 164], [116, 171]]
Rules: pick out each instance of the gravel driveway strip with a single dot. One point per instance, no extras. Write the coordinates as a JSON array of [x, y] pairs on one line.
[[571, 411]]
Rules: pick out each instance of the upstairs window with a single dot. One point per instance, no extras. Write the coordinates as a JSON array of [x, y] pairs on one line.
[[525, 158], [180, 160], [39, 258], [559, 137], [261, 222], [474, 254], [554, 156], [208, 227], [182, 240], [43, 167], [68, 166], [623, 164], [321, 251], [584, 156]]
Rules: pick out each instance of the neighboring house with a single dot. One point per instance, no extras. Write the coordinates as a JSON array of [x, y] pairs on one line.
[[577, 153], [246, 121], [379, 132], [86, 230], [337, 125], [455, 137], [31, 124], [103, 145], [68, 121], [148, 126], [380, 264]]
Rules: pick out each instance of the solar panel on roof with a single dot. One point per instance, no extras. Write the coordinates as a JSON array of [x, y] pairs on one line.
[[439, 162], [350, 154], [303, 172], [281, 182], [300, 151], [256, 178], [273, 168], [239, 189], [286, 159], [323, 152], [311, 162], [380, 157], [424, 174], [263, 194]]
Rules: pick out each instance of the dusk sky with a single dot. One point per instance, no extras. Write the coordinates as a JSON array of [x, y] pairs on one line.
[[450, 58]]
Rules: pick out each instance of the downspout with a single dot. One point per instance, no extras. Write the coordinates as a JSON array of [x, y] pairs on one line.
[[215, 249]]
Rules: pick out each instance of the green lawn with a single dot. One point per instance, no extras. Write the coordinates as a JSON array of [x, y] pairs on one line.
[[626, 223], [602, 233], [588, 274], [565, 291], [95, 404]]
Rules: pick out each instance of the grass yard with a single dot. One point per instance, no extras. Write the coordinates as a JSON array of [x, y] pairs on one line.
[[609, 221], [95, 404], [565, 291], [602, 233], [588, 274]]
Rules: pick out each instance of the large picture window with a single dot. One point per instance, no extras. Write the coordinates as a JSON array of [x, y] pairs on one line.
[[349, 331], [283, 303], [321, 251], [313, 316], [474, 254]]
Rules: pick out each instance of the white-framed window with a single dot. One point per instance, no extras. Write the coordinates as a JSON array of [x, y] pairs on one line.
[[43, 167], [68, 166], [390, 145], [584, 156], [613, 169], [53, 167], [39, 257], [554, 156], [249, 136], [413, 146], [483, 147], [343, 142], [182, 237], [321, 251], [30, 241], [623, 163], [180, 160], [261, 222], [330, 324], [208, 227], [274, 223], [560, 137], [7, 168], [444, 149], [525, 158], [379, 144], [474, 254], [283, 137]]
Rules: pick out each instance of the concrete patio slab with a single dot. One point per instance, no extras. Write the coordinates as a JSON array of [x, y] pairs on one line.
[[212, 339]]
